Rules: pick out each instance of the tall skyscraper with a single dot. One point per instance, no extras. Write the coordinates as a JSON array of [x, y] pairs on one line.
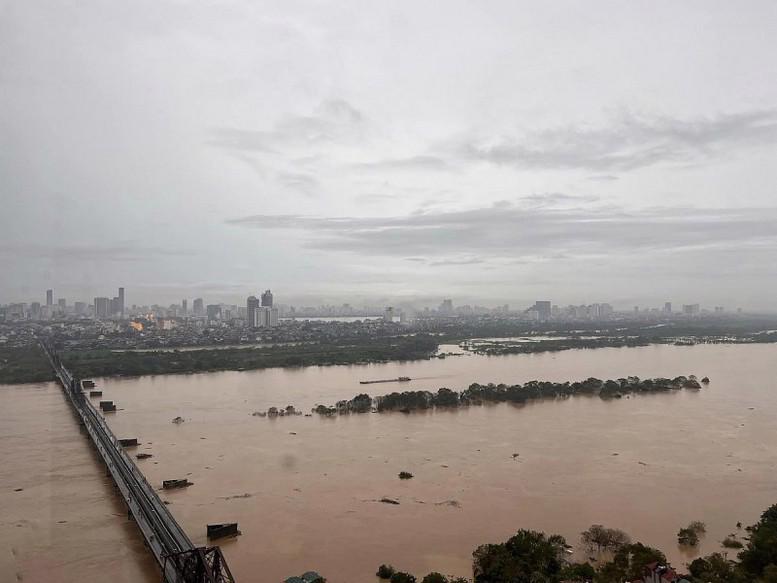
[[62, 305], [120, 306], [544, 309], [49, 297], [252, 312], [184, 307], [668, 307], [267, 298], [446, 307], [102, 307], [198, 307], [388, 314], [214, 312]]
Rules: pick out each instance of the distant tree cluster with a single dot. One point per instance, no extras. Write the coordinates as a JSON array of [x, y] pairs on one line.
[[477, 394]]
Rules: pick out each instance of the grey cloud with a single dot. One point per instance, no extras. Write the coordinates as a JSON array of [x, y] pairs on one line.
[[472, 261], [630, 142], [409, 163], [333, 121], [307, 184], [77, 253], [557, 199], [533, 233]]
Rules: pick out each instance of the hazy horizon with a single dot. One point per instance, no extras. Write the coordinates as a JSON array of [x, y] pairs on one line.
[[491, 153]]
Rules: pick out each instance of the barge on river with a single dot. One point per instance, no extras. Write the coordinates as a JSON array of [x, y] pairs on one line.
[[396, 380]]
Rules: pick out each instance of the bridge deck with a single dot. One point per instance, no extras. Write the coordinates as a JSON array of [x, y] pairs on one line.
[[179, 559]]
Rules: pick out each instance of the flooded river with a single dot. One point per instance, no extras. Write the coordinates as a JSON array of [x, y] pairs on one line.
[[306, 490]]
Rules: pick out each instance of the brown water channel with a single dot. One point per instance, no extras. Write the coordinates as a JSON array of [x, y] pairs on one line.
[[306, 490]]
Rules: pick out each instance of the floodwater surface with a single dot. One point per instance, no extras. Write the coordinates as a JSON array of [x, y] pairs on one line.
[[306, 490]]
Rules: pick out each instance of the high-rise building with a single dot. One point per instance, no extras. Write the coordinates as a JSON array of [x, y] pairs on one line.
[[184, 307], [80, 308], [691, 309], [446, 307], [252, 312], [388, 314], [668, 307], [49, 297], [62, 305], [267, 298], [35, 311], [102, 307], [198, 307], [543, 309], [213, 312], [120, 303]]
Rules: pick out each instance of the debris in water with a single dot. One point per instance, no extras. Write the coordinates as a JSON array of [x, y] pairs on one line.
[[451, 503], [388, 501], [405, 475], [177, 483], [222, 530], [178, 420], [246, 495]]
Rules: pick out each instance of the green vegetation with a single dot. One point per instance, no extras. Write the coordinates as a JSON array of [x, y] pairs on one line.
[[96, 363], [526, 557], [731, 543], [385, 572], [555, 345], [477, 394], [533, 557], [25, 364], [601, 538], [689, 536]]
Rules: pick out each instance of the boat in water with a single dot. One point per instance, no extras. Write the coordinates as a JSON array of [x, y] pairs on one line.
[[396, 380]]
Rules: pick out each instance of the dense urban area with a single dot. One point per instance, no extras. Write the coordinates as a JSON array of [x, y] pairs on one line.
[[107, 338]]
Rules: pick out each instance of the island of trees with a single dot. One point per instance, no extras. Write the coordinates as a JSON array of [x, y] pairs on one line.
[[477, 394]]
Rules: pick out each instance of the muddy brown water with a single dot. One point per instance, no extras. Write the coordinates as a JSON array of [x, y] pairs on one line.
[[306, 490]]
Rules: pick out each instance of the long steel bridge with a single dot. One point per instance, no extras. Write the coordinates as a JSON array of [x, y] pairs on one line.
[[179, 559]]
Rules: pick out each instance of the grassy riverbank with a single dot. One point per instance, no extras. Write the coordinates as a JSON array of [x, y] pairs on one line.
[[25, 364], [96, 363]]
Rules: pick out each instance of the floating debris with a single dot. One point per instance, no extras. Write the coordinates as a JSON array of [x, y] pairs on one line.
[[451, 503], [178, 420], [236, 496], [143, 456], [178, 483], [388, 501], [222, 530], [405, 475]]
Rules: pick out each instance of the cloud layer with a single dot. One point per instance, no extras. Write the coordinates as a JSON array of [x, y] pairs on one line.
[[510, 231]]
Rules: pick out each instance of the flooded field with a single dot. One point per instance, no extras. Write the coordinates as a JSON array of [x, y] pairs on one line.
[[306, 490]]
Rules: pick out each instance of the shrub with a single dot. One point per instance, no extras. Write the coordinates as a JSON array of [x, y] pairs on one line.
[[400, 577], [385, 571]]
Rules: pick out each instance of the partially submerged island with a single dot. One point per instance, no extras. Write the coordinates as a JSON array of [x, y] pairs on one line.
[[477, 394]]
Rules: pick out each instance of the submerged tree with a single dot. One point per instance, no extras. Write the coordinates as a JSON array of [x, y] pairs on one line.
[[601, 538]]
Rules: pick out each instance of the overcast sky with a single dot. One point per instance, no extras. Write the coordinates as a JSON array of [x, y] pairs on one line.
[[579, 151]]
